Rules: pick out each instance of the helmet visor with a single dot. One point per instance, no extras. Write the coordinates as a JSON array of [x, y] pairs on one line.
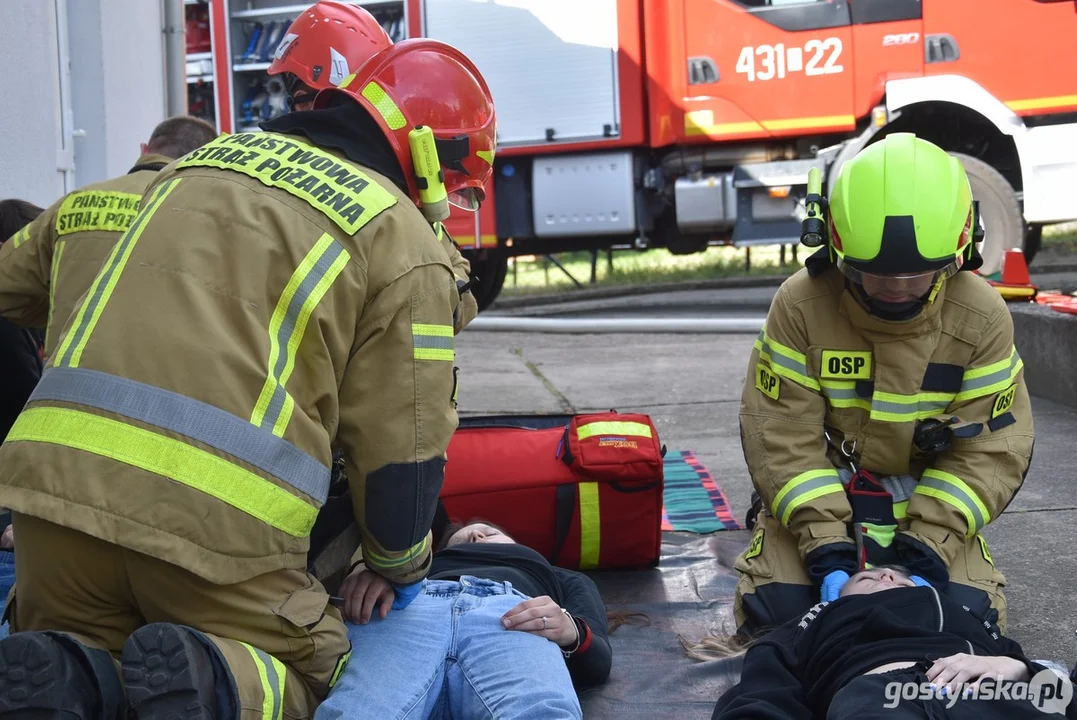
[[467, 198], [902, 287]]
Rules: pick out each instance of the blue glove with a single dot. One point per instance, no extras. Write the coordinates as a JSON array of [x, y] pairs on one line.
[[919, 581], [405, 594], [832, 585]]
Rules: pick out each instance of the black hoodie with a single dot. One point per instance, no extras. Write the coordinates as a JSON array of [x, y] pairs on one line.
[[794, 672]]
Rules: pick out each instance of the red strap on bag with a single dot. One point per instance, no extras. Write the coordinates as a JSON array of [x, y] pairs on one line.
[[613, 447]]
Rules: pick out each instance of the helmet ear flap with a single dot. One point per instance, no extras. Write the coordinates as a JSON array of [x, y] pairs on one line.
[[977, 226], [978, 232]]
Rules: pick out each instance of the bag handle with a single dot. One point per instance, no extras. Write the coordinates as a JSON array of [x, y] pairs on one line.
[[635, 488], [565, 511]]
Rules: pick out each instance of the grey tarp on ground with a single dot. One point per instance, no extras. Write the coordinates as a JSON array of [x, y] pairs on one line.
[[690, 593]]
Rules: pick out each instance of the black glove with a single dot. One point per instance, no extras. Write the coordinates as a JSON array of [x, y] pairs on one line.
[[824, 560], [921, 560]]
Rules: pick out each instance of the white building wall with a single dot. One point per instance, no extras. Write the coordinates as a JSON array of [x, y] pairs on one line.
[[134, 78], [116, 96], [29, 102]]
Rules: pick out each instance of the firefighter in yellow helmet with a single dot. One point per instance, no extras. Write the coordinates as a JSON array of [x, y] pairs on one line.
[[884, 417], [325, 44], [274, 297], [52, 262]]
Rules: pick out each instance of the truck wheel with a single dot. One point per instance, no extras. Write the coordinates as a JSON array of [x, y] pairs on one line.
[[1004, 223], [491, 269]]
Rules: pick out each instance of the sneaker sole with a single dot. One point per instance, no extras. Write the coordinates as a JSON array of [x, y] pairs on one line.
[[38, 681], [157, 668]]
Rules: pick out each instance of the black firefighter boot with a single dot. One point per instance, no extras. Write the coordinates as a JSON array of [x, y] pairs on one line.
[[47, 675], [171, 671]]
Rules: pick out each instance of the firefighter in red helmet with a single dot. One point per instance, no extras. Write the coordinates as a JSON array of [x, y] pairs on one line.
[[401, 86], [164, 516], [322, 49], [326, 44]]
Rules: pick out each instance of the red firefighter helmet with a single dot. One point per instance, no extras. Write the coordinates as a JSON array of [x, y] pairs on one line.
[[325, 45], [427, 82]]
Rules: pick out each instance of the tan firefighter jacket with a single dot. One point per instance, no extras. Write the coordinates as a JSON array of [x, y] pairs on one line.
[[269, 301], [71, 238], [469, 307], [823, 362]]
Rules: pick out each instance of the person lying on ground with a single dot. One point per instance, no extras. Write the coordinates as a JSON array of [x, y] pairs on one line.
[[845, 659], [496, 629]]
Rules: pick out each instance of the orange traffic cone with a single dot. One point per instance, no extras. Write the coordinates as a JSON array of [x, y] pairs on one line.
[[1015, 269], [1016, 283]]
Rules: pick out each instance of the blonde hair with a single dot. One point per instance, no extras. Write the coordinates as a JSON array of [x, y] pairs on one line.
[[716, 646]]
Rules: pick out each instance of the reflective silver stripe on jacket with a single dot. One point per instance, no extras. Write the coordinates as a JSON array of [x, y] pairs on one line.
[[191, 418]]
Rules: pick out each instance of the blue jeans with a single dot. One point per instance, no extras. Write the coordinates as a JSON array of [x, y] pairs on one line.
[[446, 655], [7, 579]]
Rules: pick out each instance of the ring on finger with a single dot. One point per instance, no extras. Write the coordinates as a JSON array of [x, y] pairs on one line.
[[545, 625]]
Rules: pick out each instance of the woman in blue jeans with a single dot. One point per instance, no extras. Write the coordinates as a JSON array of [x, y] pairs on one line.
[[497, 632]]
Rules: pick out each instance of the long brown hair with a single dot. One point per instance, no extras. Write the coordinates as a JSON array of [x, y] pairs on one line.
[[14, 215]]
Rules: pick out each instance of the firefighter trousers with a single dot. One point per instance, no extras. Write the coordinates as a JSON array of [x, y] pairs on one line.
[[100, 593], [773, 587]]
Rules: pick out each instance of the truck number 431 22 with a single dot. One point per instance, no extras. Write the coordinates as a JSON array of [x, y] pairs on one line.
[[766, 62]]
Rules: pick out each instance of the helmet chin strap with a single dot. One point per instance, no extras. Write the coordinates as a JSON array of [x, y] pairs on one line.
[[893, 312]]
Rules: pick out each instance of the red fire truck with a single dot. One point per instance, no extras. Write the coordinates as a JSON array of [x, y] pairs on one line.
[[685, 123]]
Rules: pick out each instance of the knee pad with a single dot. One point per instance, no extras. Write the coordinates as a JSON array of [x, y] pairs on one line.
[[171, 670], [50, 674]]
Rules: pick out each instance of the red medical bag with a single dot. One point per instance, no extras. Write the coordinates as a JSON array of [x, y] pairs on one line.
[[585, 491]]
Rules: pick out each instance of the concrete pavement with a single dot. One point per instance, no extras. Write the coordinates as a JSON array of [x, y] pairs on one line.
[[691, 385]]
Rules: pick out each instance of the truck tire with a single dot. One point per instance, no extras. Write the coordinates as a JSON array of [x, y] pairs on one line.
[[1004, 223], [490, 269]]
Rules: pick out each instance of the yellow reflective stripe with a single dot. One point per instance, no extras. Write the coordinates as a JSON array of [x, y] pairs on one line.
[[590, 526], [803, 488], [97, 210], [273, 675], [386, 563], [21, 236], [57, 254], [901, 509], [956, 492], [990, 379], [335, 188], [432, 330], [784, 361], [842, 394], [385, 106], [170, 458], [93, 303], [433, 342], [305, 289], [613, 428], [881, 534], [341, 664], [904, 408], [885, 406]]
